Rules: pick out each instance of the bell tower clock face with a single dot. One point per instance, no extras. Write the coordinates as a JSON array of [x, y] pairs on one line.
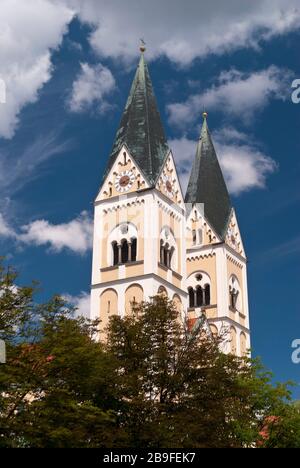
[[168, 186], [124, 181]]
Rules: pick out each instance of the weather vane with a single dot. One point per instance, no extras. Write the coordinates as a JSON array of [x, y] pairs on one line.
[[142, 45]]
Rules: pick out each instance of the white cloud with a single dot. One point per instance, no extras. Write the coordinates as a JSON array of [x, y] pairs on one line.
[[184, 151], [236, 94], [29, 31], [183, 31], [81, 302], [244, 165], [5, 229], [18, 166], [75, 235], [92, 85]]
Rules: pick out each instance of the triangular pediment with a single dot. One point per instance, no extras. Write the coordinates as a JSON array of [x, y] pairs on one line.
[[168, 181], [199, 232], [233, 236], [124, 177]]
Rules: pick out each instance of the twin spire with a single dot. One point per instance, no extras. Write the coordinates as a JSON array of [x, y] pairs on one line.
[[141, 129], [142, 132], [207, 185]]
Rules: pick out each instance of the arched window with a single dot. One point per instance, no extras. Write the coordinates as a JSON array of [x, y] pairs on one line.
[[198, 287], [133, 249], [166, 255], [199, 296], [194, 236], [115, 253], [235, 302], [168, 252], [243, 344], [171, 253], [124, 251], [200, 236], [233, 298], [233, 340], [162, 251], [162, 290], [191, 297], [207, 294], [123, 244]]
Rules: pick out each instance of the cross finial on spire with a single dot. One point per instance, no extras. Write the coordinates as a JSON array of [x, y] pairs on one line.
[[142, 45]]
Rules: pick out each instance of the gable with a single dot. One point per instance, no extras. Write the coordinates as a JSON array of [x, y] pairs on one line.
[[198, 230], [123, 178], [233, 236], [168, 181]]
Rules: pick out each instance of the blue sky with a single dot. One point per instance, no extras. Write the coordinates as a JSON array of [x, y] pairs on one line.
[[68, 67]]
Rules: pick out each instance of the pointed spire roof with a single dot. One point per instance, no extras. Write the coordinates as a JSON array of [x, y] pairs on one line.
[[207, 185], [141, 128]]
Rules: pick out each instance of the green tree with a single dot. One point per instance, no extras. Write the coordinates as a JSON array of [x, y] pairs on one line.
[[152, 383], [180, 391], [57, 387]]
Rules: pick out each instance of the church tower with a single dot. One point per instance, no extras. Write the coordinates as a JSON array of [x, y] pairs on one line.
[[216, 262], [150, 239], [139, 221]]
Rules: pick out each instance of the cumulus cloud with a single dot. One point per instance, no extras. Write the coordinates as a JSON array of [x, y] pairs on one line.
[[244, 165], [184, 150], [5, 229], [75, 235], [236, 93], [29, 31], [193, 30], [93, 85], [80, 302]]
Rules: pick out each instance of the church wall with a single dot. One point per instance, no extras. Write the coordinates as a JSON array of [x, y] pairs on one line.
[[207, 264], [236, 268], [134, 270], [110, 275], [108, 306], [134, 294]]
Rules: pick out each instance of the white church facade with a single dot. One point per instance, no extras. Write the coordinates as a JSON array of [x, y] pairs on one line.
[[151, 238]]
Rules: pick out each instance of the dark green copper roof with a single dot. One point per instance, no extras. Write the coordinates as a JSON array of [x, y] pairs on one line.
[[207, 184], [141, 128]]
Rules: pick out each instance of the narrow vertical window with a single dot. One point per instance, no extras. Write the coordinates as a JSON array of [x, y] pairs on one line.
[[133, 249], [115, 253], [191, 297], [199, 296], [200, 240], [194, 236], [124, 251], [207, 294]]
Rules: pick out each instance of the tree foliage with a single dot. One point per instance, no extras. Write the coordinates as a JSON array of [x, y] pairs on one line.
[[150, 384]]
